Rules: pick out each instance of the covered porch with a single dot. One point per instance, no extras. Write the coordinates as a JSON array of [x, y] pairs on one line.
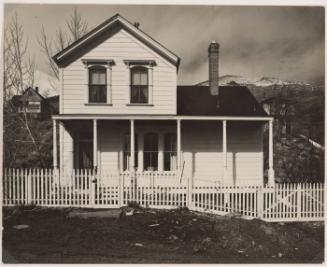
[[173, 149]]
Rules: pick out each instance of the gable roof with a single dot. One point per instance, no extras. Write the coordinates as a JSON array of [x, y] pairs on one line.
[[107, 25], [233, 101], [31, 93]]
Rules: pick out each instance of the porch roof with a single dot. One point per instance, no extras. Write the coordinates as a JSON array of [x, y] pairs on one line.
[[156, 117]]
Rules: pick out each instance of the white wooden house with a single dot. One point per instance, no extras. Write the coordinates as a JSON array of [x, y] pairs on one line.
[[119, 97]]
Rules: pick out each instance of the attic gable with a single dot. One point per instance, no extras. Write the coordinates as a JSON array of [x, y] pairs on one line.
[[31, 94], [105, 31]]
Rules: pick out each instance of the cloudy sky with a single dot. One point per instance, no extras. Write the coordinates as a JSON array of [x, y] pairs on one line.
[[280, 42]]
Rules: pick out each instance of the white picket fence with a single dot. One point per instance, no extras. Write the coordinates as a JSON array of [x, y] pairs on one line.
[[85, 188]]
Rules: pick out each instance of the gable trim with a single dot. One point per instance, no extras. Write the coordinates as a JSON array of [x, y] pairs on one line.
[[104, 26]]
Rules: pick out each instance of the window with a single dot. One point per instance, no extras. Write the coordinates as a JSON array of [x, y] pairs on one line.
[[84, 159], [139, 85], [150, 152], [127, 152], [170, 154], [97, 84], [33, 106]]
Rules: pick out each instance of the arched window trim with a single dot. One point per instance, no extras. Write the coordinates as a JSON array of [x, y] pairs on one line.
[[95, 63], [147, 64]]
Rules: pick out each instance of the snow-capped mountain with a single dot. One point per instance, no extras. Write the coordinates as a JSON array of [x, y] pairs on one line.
[[262, 81], [265, 87]]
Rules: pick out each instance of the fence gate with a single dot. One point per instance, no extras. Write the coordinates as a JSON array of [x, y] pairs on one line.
[[293, 202]]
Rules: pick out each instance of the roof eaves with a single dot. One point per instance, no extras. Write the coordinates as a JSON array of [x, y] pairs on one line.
[[57, 57]]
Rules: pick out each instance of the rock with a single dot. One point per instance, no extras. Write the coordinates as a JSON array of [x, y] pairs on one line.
[[224, 244], [267, 229], [173, 237], [153, 225], [241, 251], [129, 212], [194, 219], [279, 255], [199, 248], [112, 213], [206, 242], [21, 226], [139, 245]]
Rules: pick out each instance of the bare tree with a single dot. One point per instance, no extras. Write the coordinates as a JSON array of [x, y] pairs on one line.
[[76, 27], [19, 73]]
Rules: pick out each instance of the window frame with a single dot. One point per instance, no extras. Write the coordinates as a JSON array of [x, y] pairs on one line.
[[127, 152], [103, 86], [149, 65], [133, 86], [107, 64]]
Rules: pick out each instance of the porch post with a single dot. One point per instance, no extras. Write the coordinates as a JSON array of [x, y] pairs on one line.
[[140, 152], [55, 163], [132, 158], [161, 152], [224, 150], [178, 145], [271, 172], [95, 144]]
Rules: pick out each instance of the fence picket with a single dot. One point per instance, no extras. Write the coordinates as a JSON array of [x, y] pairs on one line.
[[281, 202]]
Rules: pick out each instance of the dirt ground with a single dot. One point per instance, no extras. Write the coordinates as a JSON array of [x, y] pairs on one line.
[[154, 236]]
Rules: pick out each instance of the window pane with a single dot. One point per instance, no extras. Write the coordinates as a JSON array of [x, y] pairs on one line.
[[143, 78], [170, 155], [85, 156], [97, 76], [98, 93], [151, 151], [135, 78], [139, 76], [139, 94]]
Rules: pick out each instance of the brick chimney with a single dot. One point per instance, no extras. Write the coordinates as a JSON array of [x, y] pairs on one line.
[[213, 52]]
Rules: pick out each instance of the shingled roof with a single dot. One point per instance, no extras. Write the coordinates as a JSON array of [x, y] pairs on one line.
[[233, 101]]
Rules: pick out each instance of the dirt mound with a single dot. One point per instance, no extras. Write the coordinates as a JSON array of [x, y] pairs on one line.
[[158, 236]]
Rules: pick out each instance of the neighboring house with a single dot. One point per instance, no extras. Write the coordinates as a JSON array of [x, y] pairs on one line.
[[119, 97], [29, 101], [32, 102], [50, 106]]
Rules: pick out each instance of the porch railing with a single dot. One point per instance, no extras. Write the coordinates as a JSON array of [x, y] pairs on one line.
[[85, 188]]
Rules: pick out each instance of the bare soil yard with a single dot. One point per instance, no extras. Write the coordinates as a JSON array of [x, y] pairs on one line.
[[156, 236]]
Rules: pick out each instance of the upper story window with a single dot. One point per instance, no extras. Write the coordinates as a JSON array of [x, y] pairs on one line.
[[98, 84], [139, 85]]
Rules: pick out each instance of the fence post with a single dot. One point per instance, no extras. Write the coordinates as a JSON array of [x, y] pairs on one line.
[[29, 187], [260, 193], [93, 181], [189, 193], [121, 190], [298, 200]]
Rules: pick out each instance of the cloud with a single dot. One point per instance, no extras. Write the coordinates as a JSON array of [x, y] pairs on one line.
[[283, 42]]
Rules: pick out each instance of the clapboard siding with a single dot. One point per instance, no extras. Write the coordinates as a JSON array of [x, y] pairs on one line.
[[119, 47], [202, 147]]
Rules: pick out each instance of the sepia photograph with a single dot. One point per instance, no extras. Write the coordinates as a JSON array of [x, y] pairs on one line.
[[163, 134]]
